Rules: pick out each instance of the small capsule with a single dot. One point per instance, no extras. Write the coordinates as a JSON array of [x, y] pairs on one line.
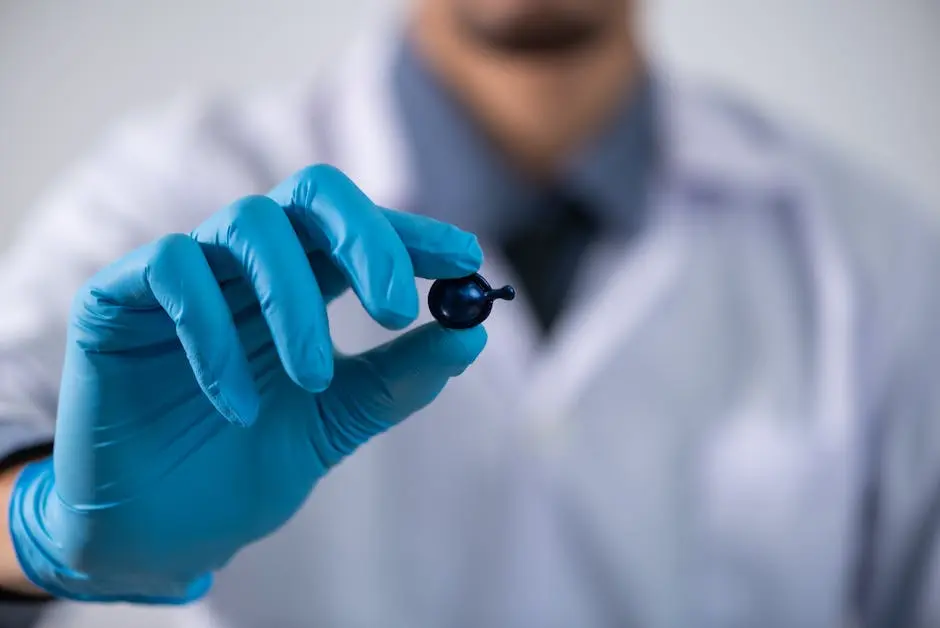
[[466, 302]]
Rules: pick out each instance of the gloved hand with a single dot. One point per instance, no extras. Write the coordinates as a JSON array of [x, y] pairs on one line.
[[201, 398]]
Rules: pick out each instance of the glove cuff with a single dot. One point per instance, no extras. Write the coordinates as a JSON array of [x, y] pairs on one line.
[[32, 516]]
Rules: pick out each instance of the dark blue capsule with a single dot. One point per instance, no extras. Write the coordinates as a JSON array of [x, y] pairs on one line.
[[466, 302]]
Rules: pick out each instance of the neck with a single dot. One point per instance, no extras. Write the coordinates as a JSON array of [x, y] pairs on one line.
[[536, 109]]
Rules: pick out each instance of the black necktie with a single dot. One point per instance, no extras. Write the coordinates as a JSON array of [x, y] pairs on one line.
[[546, 254]]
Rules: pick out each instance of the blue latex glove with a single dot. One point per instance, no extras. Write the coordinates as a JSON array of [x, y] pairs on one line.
[[201, 398]]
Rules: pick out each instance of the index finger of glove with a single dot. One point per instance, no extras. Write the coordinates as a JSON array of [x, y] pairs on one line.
[[173, 275]]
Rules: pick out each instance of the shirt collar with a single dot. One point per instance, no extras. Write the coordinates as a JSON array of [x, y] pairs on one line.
[[461, 178]]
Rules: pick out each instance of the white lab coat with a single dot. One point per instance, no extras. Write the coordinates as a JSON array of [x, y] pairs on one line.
[[693, 450]]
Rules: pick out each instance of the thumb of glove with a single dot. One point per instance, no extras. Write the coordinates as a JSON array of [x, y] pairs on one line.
[[374, 390]]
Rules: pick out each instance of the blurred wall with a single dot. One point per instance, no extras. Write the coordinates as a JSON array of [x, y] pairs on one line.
[[863, 74]]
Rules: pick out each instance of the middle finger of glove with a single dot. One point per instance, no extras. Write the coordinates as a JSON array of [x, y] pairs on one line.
[[333, 215], [254, 239]]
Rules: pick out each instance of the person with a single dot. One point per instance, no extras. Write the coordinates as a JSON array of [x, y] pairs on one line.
[[712, 403]]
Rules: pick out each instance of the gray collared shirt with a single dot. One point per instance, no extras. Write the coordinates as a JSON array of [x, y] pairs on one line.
[[462, 178]]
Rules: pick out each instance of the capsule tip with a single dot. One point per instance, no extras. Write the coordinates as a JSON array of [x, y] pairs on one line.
[[506, 293]]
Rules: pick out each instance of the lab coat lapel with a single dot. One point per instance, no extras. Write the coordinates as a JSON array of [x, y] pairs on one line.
[[365, 138]]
